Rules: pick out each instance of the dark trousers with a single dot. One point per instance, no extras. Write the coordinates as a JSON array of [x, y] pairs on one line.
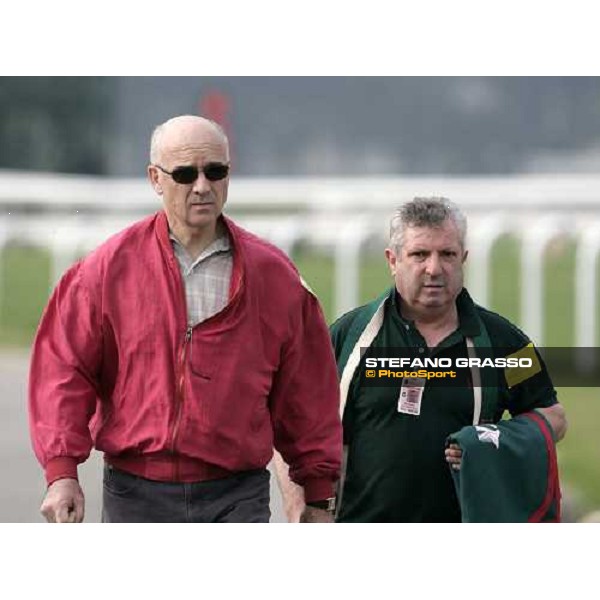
[[241, 498]]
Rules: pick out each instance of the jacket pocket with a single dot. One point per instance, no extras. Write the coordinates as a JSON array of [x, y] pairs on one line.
[[204, 354]]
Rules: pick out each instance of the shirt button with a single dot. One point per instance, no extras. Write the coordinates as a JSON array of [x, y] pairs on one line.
[[421, 350], [407, 327]]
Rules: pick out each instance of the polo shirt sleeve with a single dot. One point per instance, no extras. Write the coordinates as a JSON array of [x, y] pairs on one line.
[[523, 391], [536, 391]]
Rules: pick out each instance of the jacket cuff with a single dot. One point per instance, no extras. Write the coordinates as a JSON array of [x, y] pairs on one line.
[[318, 489], [61, 467]]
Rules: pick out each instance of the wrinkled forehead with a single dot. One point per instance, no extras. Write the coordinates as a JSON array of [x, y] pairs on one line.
[[433, 237]]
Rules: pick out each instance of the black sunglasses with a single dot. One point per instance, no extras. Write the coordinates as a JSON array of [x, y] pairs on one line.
[[186, 175]]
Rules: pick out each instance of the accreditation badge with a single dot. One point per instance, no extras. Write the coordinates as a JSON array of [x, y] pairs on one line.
[[411, 394]]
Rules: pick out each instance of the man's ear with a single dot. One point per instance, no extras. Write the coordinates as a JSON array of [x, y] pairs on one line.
[[391, 259], [464, 258], [153, 177]]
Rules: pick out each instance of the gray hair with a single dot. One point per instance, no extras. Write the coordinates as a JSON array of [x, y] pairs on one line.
[[426, 212], [155, 140]]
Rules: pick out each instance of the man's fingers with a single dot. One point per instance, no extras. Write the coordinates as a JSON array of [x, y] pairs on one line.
[[79, 510], [64, 502], [48, 514], [453, 456], [48, 510], [62, 513]]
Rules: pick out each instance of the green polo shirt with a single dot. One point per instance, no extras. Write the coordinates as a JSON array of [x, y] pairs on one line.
[[396, 470]]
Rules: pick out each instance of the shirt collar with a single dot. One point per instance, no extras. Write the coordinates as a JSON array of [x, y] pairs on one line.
[[221, 244]]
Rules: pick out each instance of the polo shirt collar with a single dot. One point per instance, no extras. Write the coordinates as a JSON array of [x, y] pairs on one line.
[[220, 244]]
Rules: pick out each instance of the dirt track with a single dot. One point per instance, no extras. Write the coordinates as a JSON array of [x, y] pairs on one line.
[[23, 484]]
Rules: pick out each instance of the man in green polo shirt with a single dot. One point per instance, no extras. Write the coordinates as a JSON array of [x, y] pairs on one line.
[[397, 460]]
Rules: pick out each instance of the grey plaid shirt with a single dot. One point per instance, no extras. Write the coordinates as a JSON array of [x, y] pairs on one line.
[[206, 279]]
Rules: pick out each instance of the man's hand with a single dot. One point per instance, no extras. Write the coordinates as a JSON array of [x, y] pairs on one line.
[[554, 414], [316, 515], [454, 456], [64, 502], [291, 494], [557, 419]]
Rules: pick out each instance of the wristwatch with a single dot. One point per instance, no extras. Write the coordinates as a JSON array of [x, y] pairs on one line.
[[328, 504]]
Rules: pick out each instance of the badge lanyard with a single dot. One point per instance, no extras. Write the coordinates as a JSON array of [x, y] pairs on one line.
[[413, 388]]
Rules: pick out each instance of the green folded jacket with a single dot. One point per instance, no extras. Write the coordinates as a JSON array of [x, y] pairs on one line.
[[508, 472]]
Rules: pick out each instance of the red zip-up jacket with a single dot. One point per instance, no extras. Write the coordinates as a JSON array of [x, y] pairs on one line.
[[115, 366]]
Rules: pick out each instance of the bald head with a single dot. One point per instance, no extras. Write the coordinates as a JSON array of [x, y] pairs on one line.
[[184, 131]]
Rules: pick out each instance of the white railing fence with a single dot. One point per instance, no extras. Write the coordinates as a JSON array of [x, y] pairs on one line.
[[73, 214]]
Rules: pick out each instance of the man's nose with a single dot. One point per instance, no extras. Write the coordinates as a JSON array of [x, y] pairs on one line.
[[201, 185], [434, 265]]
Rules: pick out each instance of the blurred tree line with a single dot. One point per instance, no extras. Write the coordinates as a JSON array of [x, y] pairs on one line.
[[320, 126], [56, 123]]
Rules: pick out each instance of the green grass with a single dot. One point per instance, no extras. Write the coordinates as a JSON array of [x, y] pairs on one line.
[[318, 271], [24, 277], [505, 279], [579, 452], [24, 292]]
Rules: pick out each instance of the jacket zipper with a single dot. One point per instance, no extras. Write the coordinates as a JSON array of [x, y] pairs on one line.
[[179, 396]]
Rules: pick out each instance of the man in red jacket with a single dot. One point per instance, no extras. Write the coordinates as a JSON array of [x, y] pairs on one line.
[[185, 349]]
